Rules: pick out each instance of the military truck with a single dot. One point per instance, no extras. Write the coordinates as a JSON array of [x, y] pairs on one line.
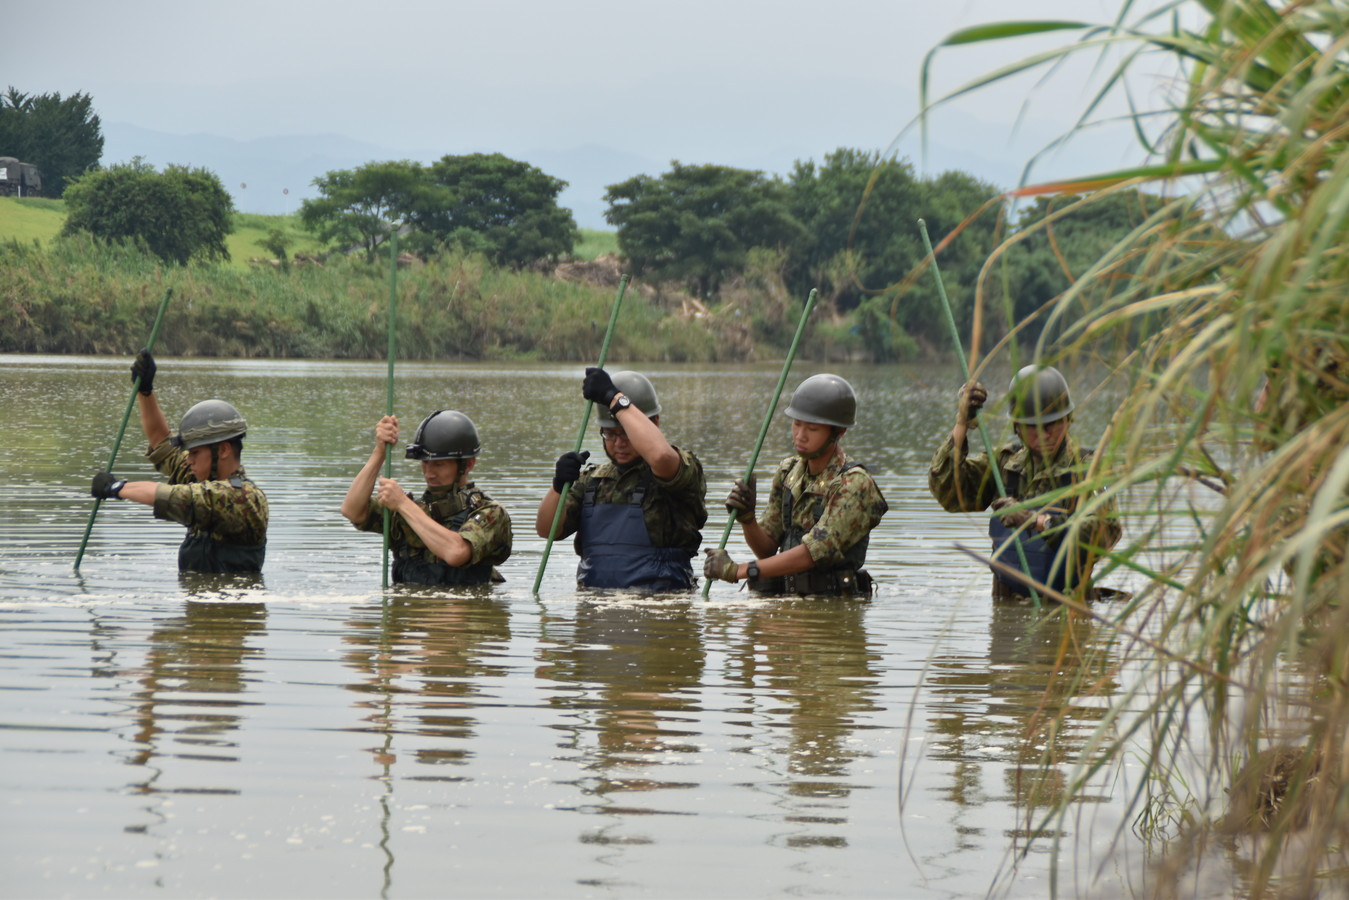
[[19, 179]]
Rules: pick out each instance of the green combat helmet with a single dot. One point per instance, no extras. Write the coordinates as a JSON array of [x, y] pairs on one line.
[[823, 400], [1039, 395], [209, 422], [445, 434], [637, 389]]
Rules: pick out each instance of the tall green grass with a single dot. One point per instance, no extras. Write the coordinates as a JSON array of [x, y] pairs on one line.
[[1231, 444], [80, 295]]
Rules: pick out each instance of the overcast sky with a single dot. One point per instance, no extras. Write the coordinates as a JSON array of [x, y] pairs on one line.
[[739, 83]]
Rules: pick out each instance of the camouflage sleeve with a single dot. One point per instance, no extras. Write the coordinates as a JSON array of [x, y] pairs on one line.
[[852, 509], [688, 487], [171, 462], [969, 489], [374, 517], [215, 507], [771, 520], [488, 532]]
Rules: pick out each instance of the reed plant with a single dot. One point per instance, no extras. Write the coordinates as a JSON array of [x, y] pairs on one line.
[[1228, 347]]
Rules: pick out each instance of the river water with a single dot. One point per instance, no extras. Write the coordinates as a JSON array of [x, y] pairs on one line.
[[318, 736]]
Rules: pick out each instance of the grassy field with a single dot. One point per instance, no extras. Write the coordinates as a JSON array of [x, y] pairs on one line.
[[29, 220]]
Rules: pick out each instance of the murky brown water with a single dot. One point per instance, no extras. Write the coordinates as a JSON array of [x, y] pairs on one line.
[[320, 737]]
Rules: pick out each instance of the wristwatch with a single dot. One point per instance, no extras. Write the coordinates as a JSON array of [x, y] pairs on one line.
[[752, 570], [621, 402]]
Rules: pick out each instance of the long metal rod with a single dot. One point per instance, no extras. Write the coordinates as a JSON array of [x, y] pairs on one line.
[[580, 435], [767, 421], [126, 417], [388, 388], [965, 369]]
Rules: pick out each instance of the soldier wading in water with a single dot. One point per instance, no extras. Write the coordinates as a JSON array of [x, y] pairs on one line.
[[812, 538], [454, 534], [1045, 460], [636, 517], [207, 490]]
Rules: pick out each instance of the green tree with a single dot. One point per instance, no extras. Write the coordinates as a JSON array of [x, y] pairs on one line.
[[355, 206], [180, 214], [697, 224], [501, 207], [61, 136], [860, 211]]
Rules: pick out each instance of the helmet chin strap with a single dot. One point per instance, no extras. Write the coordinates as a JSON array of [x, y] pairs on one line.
[[215, 462]]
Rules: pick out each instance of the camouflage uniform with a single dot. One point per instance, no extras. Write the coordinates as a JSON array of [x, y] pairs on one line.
[[226, 518], [673, 512], [477, 518], [832, 514], [1025, 476]]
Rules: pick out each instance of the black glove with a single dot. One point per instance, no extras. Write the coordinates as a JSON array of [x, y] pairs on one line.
[[599, 387], [106, 486], [973, 396], [742, 500], [144, 368], [1012, 520], [568, 468]]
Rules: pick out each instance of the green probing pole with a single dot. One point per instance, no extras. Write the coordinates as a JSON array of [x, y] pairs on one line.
[[965, 368], [767, 421], [126, 417], [388, 388], [580, 435]]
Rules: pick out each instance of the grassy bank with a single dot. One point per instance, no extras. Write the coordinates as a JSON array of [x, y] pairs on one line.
[[81, 296]]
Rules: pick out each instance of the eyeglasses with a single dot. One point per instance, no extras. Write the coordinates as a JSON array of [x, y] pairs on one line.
[[613, 434]]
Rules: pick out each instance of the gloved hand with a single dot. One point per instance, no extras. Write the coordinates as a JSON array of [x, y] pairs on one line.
[[971, 399], [106, 486], [144, 366], [598, 387], [741, 501], [1012, 520], [568, 468], [719, 565]]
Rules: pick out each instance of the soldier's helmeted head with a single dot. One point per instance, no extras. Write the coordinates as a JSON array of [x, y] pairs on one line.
[[637, 387], [446, 434], [209, 424], [1038, 395], [824, 399]]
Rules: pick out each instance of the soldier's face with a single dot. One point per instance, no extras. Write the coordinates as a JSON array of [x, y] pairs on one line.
[[199, 459], [440, 472], [809, 437], [620, 448], [1044, 439]]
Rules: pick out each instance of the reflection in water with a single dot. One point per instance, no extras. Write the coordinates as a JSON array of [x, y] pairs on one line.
[[806, 666], [1031, 701], [191, 688], [634, 671], [426, 651]]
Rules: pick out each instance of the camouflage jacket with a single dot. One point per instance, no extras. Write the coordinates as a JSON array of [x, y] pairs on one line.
[[673, 510], [487, 528], [230, 514], [973, 489], [850, 506]]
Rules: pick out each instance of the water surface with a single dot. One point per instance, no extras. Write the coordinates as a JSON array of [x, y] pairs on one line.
[[317, 736]]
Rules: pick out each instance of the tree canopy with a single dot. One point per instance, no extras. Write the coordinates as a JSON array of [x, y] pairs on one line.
[[489, 203], [179, 214], [697, 224], [61, 136]]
